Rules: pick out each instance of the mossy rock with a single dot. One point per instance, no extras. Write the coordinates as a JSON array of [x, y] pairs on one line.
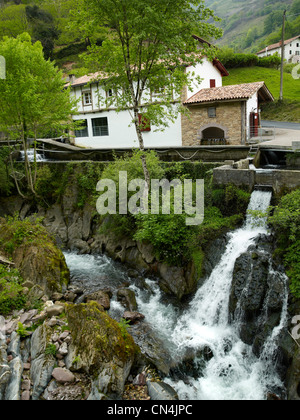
[[35, 254], [100, 348]]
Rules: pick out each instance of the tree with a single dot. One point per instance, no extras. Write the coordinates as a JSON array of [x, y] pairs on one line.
[[43, 28], [32, 96], [146, 47], [13, 20]]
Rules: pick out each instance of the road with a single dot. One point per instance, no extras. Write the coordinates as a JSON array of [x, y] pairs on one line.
[[285, 134], [281, 124]]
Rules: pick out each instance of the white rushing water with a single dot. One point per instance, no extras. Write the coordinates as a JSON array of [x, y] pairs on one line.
[[234, 372], [32, 156]]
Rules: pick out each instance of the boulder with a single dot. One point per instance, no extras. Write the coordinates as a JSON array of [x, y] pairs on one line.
[[63, 375], [100, 297], [133, 317], [41, 373], [127, 298], [161, 391], [99, 348], [13, 389]]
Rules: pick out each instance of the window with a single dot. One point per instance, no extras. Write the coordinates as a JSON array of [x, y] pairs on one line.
[[82, 132], [212, 112], [100, 127], [291, 52], [109, 93], [297, 52], [87, 98], [212, 83], [144, 123]]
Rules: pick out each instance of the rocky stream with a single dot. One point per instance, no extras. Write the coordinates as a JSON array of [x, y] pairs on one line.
[[225, 336]]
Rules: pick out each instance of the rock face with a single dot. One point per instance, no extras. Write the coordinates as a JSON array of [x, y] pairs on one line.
[[257, 294]]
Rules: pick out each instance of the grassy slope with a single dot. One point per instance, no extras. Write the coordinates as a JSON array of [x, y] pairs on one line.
[[289, 110]]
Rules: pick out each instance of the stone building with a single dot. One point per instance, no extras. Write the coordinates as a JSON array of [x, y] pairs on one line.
[[224, 115]]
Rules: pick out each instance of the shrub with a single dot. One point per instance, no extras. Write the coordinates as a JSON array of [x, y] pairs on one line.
[[286, 224], [11, 296]]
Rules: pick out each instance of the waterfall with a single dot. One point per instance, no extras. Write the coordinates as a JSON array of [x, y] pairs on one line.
[[30, 153], [232, 371], [224, 367]]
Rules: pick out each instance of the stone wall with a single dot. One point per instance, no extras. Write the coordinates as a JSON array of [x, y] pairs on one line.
[[229, 118], [280, 180]]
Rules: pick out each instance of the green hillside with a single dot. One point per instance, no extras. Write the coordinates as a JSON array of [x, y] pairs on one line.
[[251, 25], [289, 110]]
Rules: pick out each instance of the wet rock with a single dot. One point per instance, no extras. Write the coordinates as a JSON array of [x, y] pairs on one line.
[[161, 391], [133, 317], [13, 388], [293, 378], [41, 373], [127, 298], [101, 297]]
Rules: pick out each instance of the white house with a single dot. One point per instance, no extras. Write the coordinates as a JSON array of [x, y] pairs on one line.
[[291, 50], [228, 117]]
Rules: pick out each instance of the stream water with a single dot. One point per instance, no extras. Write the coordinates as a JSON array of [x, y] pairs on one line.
[[232, 371]]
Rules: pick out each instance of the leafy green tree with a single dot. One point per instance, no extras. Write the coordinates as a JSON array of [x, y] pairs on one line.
[[44, 28], [146, 47], [32, 97], [13, 20]]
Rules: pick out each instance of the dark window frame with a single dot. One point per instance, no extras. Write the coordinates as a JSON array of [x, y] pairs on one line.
[[100, 127]]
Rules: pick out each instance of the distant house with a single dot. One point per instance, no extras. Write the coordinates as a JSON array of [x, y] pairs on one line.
[[291, 50], [218, 115]]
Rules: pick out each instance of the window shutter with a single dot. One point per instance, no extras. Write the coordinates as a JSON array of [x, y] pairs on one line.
[[212, 83], [144, 123]]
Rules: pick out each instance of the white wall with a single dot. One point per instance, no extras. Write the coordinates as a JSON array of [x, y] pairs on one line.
[[207, 71], [251, 106], [122, 134], [291, 51]]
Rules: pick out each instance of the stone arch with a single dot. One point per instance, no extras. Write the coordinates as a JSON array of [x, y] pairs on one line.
[[213, 128]]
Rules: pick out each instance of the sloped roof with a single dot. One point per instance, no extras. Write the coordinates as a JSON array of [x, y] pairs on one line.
[[278, 44], [234, 92]]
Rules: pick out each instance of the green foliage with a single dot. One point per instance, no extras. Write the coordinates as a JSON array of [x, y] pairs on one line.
[[16, 232], [230, 200], [286, 224], [11, 296], [232, 60], [22, 330], [292, 262], [124, 325], [168, 234], [51, 350], [277, 111], [5, 180]]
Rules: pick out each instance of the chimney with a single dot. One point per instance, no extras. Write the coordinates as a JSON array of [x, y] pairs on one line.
[[71, 78]]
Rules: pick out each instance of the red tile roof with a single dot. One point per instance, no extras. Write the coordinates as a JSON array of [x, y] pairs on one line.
[[227, 93]]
